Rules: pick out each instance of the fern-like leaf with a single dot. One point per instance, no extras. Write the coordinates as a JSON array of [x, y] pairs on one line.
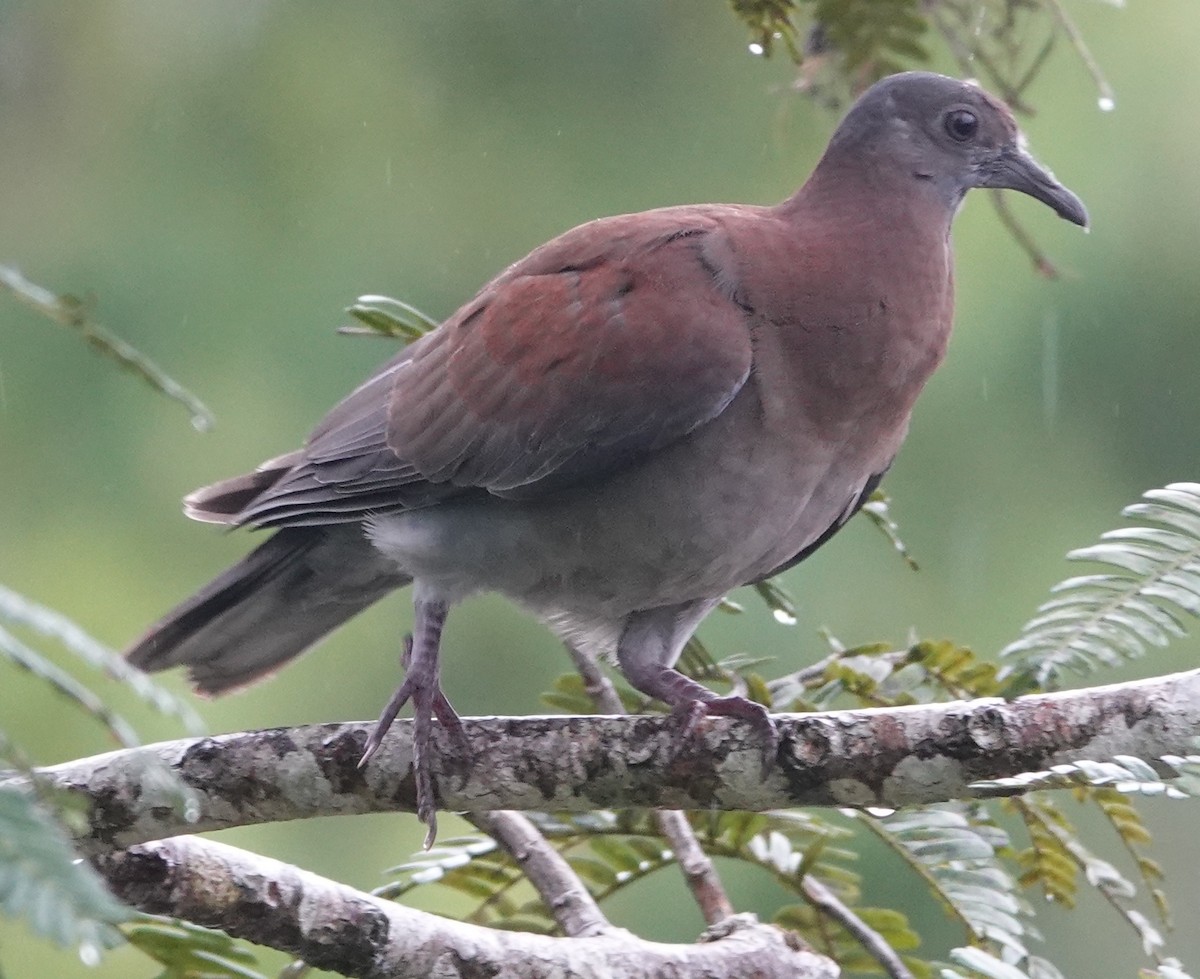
[[1127, 823], [879, 675], [1047, 863], [40, 879], [59, 680], [1043, 819], [187, 951], [878, 510], [954, 849], [1051, 864], [1105, 619], [18, 610], [875, 37], [1124, 773], [981, 962], [1167, 969]]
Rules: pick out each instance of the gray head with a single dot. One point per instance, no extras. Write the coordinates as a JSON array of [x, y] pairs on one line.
[[951, 134]]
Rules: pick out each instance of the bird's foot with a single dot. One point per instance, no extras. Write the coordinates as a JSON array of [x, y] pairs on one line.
[[421, 686], [689, 714], [446, 715]]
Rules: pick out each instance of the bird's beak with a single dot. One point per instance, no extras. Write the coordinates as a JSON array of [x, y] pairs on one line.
[[1013, 168]]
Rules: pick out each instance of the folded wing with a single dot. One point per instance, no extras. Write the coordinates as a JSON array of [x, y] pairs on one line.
[[600, 347]]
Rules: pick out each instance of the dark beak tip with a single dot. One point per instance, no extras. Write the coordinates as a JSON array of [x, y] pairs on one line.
[[1073, 210]]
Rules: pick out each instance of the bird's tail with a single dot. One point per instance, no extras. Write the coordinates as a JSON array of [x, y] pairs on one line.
[[271, 606]]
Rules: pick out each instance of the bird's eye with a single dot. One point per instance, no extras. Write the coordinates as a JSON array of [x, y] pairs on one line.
[[961, 124]]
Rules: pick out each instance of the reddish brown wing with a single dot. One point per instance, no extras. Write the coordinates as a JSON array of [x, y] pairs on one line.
[[603, 345]]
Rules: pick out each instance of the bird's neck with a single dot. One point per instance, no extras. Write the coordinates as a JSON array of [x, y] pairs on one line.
[[875, 273], [850, 186]]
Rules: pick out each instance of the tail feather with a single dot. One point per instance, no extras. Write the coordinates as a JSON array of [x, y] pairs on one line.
[[275, 603], [223, 502]]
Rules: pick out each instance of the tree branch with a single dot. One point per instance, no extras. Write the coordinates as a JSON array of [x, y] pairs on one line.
[[698, 871], [825, 901], [883, 757], [569, 902], [332, 926]]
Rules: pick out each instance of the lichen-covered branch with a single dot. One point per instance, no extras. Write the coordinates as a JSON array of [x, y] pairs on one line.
[[332, 926], [884, 757]]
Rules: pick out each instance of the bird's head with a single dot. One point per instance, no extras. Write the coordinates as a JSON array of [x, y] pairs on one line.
[[952, 135]]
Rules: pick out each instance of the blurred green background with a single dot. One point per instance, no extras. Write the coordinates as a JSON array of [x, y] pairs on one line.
[[222, 179]]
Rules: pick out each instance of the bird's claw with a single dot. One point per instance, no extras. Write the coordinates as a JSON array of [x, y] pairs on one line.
[[375, 739], [690, 713], [428, 702]]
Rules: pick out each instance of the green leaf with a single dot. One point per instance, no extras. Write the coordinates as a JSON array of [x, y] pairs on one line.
[[569, 695], [1102, 620], [18, 610], [386, 317], [876, 37], [828, 935], [42, 880], [595, 872], [73, 313], [769, 21], [955, 669], [67, 686], [698, 663], [892, 926], [617, 853], [878, 510], [736, 828], [781, 604], [187, 951], [985, 964]]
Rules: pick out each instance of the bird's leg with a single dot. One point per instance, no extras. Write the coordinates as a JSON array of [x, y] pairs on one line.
[[422, 685], [651, 642], [446, 715]]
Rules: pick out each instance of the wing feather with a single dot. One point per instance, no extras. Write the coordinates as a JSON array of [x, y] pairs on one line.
[[600, 347]]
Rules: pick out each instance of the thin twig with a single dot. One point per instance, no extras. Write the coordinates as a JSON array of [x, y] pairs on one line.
[[567, 899], [698, 869], [16, 652], [70, 312], [969, 56], [1038, 62], [1106, 95], [827, 903], [599, 687], [1024, 240]]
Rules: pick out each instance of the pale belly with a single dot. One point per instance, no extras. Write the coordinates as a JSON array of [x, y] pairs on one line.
[[698, 520]]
